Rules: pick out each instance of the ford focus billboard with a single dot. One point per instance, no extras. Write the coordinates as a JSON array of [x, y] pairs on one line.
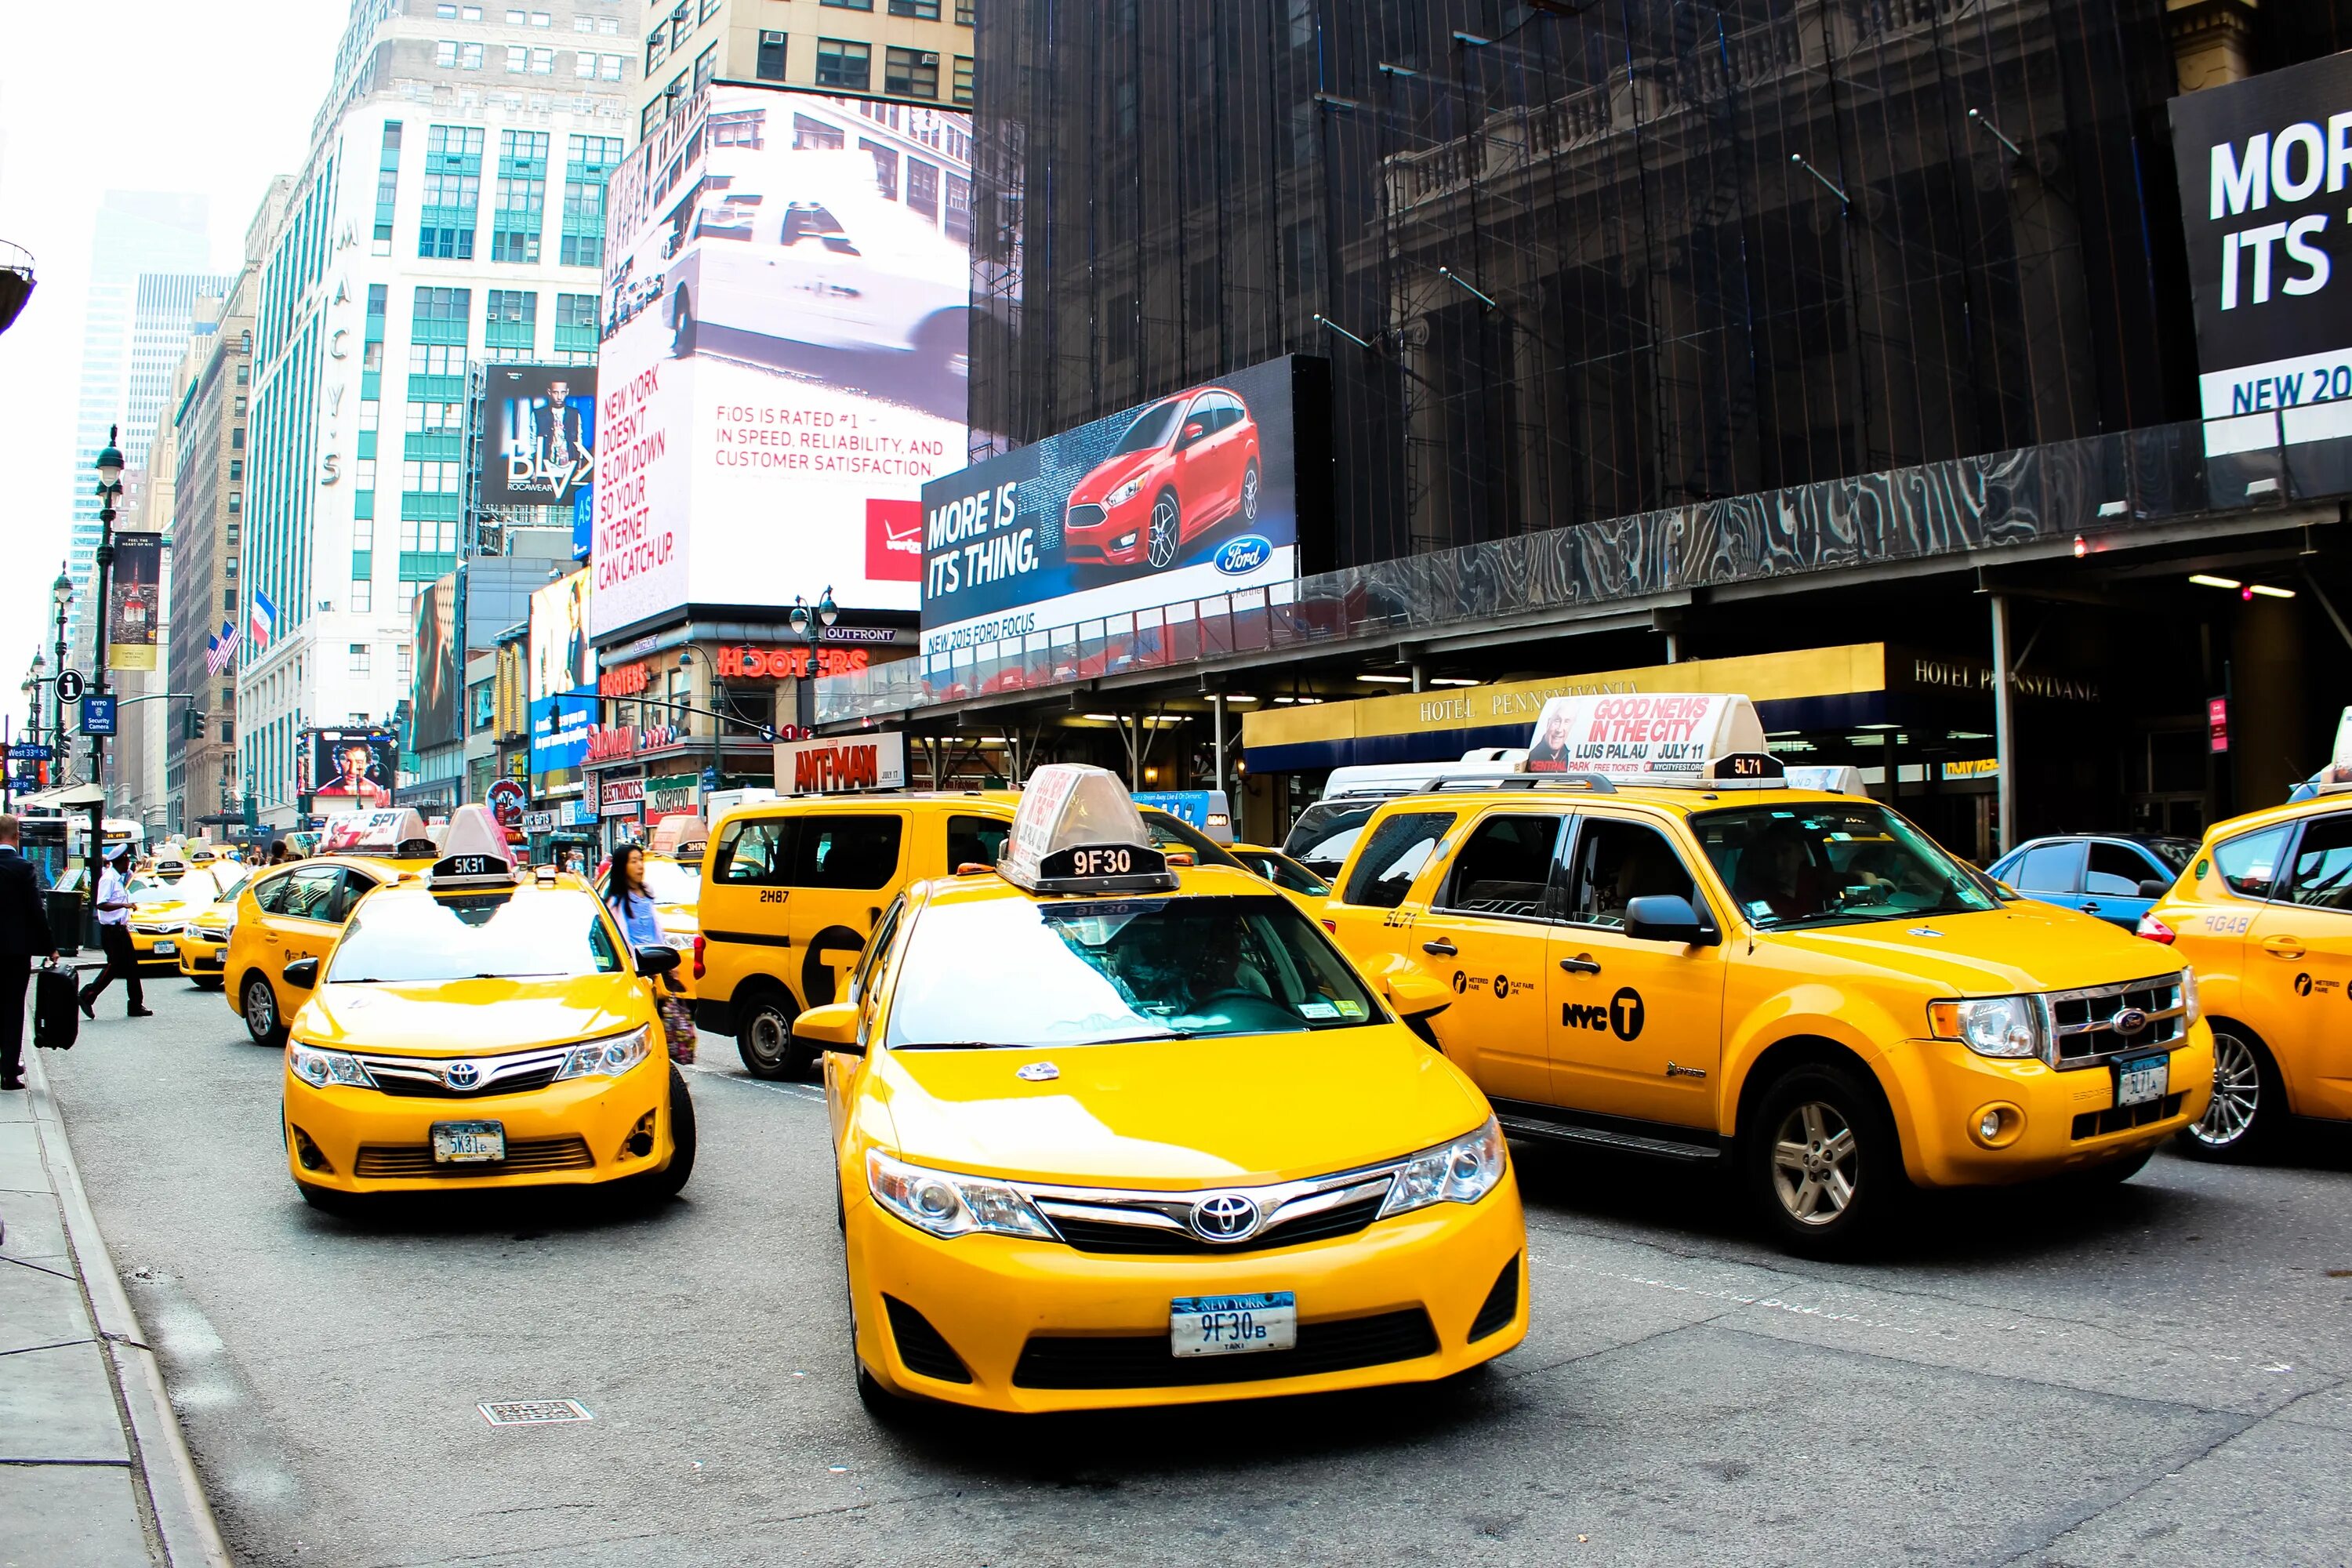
[[786, 307], [1188, 496]]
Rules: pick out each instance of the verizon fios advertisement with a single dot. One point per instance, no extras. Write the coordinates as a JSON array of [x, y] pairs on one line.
[[784, 365]]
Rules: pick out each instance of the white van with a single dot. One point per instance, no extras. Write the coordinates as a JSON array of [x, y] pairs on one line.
[[1326, 831]]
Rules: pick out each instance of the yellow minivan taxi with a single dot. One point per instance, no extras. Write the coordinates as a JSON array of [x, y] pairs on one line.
[[1112, 1134], [472, 1026], [791, 889], [2263, 915], [1803, 986]]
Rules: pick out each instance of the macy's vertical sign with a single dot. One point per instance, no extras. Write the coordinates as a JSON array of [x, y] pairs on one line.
[[837, 766]]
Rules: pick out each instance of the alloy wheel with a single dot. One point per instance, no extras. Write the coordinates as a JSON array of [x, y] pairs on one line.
[[1249, 494], [1814, 1164], [1162, 543], [2237, 1093], [260, 1010]]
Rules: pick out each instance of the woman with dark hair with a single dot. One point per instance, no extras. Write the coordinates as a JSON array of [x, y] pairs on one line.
[[632, 906]]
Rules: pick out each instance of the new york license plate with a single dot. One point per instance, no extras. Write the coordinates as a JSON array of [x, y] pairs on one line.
[[468, 1142], [166, 948], [2137, 1082], [1233, 1325]]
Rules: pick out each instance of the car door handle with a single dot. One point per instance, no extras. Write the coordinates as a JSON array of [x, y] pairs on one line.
[[2088, 909], [1581, 965], [2282, 946], [1442, 947]]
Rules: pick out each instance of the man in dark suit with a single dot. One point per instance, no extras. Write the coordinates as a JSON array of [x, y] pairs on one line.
[[24, 935]]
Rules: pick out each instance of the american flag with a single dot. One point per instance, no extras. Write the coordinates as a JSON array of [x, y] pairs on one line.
[[264, 621], [220, 651]]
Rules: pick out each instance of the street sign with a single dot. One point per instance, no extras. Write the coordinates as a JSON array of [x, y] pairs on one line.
[[98, 715], [69, 686], [28, 751], [539, 822]]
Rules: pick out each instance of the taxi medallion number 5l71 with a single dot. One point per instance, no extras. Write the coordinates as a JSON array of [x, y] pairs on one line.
[[1228, 1325]]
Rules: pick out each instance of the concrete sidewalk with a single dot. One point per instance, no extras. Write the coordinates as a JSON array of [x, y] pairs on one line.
[[93, 1471]]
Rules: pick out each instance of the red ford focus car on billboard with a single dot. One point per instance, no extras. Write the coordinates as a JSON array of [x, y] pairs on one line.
[[1183, 467]]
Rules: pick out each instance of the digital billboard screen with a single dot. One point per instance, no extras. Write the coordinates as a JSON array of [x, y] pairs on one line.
[[562, 678], [432, 707], [1187, 496], [785, 315], [353, 770], [541, 446]]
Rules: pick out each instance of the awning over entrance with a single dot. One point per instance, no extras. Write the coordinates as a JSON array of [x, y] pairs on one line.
[[69, 797]]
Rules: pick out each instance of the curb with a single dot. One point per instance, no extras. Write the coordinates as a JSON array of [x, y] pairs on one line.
[[182, 1520]]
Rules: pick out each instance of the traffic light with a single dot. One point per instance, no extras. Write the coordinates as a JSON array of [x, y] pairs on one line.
[[195, 725]]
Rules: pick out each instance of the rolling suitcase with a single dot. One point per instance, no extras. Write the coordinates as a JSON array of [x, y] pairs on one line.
[[56, 1006]]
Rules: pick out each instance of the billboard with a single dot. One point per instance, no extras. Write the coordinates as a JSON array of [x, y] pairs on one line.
[[1191, 495], [539, 448], [353, 770], [433, 708], [134, 601], [563, 678], [2264, 166], [785, 313]]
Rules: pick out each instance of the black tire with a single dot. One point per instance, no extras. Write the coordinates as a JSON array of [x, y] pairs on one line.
[[2249, 1103], [670, 1180], [683, 327], [1164, 534], [258, 1003], [764, 1038], [1813, 1200]]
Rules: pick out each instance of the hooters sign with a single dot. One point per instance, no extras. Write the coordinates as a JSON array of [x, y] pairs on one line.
[[838, 766]]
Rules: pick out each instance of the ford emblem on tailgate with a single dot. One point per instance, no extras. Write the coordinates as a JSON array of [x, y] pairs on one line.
[[1247, 554]]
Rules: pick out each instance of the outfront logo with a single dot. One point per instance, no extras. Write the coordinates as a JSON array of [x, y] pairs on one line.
[[1236, 556]]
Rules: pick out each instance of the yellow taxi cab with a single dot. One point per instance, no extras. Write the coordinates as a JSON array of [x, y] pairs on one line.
[[476, 1027], [1303, 887], [288, 913], [791, 888], [162, 909], [2263, 915], [1801, 985], [1110, 1132]]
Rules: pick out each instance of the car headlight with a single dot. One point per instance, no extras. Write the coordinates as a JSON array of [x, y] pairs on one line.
[[320, 1067], [947, 1205], [1124, 494], [1989, 1026], [608, 1057], [1461, 1171], [2190, 1011]]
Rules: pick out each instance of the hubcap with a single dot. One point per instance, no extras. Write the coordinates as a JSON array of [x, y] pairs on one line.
[[769, 1036], [2237, 1093], [260, 1009], [1813, 1163], [1249, 496], [1163, 533]]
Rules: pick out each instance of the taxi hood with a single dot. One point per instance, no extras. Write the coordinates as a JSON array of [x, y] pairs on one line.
[[1177, 1113], [2021, 946], [469, 1017]]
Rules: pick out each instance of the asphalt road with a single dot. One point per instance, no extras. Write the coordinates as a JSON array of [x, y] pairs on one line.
[[2163, 1375]]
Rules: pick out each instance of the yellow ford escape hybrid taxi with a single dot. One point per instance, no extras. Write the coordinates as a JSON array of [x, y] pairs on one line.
[[477, 1028], [2263, 914], [1112, 1132], [1714, 967]]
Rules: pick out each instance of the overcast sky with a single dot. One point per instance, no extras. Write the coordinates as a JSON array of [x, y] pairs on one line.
[[211, 97]]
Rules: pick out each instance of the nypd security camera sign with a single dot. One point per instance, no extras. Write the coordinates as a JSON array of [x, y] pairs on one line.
[[2266, 170]]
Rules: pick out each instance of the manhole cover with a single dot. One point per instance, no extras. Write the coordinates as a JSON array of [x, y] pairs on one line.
[[532, 1412]]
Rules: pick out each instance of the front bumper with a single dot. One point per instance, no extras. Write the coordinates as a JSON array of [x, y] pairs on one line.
[[157, 949], [567, 1134], [1361, 1296], [2064, 1120], [1118, 539], [202, 958]]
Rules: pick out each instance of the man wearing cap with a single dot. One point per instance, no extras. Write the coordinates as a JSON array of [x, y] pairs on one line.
[[115, 936], [23, 936]]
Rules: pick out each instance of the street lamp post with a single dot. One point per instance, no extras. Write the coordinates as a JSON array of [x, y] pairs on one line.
[[109, 491], [61, 591]]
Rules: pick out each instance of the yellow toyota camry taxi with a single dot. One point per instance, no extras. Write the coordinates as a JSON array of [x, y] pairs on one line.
[[1110, 1133], [475, 1027], [2263, 914], [161, 909], [1709, 966]]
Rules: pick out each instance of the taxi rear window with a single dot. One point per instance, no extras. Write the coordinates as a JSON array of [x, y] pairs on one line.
[[1393, 855]]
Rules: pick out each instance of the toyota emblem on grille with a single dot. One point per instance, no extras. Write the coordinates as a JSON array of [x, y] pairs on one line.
[[1226, 1216], [461, 1075], [2127, 1021]]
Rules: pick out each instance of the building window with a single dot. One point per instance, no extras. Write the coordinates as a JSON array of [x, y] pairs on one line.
[[470, 58], [923, 189], [517, 59], [842, 63], [235, 468], [655, 42], [513, 324], [575, 322], [964, 9], [362, 659], [388, 183], [445, 53], [521, 196], [590, 161], [541, 20], [912, 73], [709, 8], [964, 81], [362, 595], [849, 5], [235, 502], [651, 117], [446, 13], [583, 65], [770, 66], [237, 438], [921, 10], [543, 62], [453, 191], [612, 67], [706, 67]]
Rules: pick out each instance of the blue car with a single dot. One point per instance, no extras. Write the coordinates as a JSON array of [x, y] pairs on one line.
[[2113, 876]]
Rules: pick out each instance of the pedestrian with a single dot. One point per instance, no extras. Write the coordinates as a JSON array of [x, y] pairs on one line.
[[115, 936], [24, 935], [633, 905], [278, 852]]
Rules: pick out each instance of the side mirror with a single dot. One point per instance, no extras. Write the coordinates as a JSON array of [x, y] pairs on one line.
[[1416, 996], [1195, 430], [303, 974], [832, 1028], [656, 960], [2154, 888], [1665, 917]]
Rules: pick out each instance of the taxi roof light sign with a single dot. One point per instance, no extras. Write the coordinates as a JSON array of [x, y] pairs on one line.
[[2337, 776], [385, 832], [474, 851], [1078, 831], [1653, 736]]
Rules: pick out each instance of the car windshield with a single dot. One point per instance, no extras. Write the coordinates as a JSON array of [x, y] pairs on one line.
[[1151, 429], [1816, 865], [1324, 832], [671, 883], [1093, 971], [413, 935], [1170, 831], [1284, 872], [2176, 853]]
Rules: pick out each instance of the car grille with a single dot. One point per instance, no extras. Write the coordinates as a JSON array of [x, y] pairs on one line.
[[1144, 1361], [1292, 1213], [922, 1347], [422, 1078], [1085, 517], [524, 1155], [2123, 1117], [2082, 1031], [1094, 1236], [1501, 1305], [152, 930]]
